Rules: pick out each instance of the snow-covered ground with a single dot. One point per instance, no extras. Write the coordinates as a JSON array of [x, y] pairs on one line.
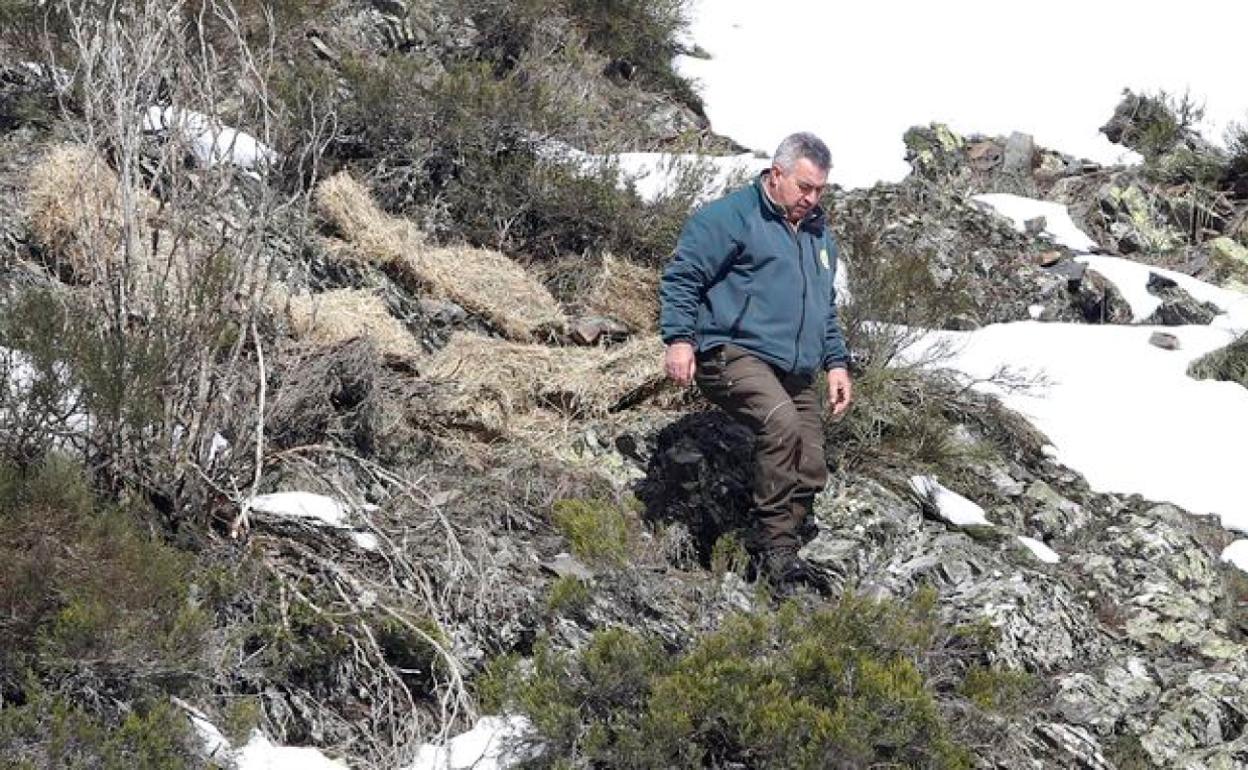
[[860, 74], [494, 743], [1119, 410]]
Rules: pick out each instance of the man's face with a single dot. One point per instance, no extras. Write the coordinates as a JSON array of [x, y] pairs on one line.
[[798, 190]]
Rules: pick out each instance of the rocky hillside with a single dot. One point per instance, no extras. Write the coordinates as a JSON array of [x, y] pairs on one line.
[[332, 417]]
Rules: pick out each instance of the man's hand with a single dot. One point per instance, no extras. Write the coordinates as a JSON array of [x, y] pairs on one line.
[[840, 391], [679, 362]]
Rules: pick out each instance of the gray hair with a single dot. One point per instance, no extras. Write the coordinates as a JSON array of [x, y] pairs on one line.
[[802, 145]]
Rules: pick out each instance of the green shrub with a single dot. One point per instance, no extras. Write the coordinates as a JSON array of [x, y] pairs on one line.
[[1229, 364], [906, 410], [86, 587], [467, 154], [1002, 691], [638, 38], [49, 732], [729, 555], [568, 595], [596, 530], [839, 687]]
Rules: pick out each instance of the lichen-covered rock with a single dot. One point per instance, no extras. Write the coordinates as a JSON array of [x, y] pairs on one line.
[[1178, 308], [1200, 722], [1135, 220]]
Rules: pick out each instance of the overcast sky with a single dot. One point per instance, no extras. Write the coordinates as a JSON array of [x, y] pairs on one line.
[[860, 73]]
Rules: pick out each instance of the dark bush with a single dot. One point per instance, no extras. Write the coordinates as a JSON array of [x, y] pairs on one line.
[[96, 613], [638, 39], [49, 732], [472, 156]]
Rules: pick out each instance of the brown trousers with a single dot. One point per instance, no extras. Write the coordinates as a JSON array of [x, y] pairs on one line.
[[784, 412]]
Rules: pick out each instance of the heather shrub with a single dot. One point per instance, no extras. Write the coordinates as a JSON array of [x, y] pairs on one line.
[[1228, 364], [98, 613], [597, 530], [49, 732], [844, 686]]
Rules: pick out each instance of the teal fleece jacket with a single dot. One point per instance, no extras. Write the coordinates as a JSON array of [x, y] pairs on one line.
[[740, 274]]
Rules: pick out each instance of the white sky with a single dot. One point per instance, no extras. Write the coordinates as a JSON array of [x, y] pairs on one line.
[[860, 73]]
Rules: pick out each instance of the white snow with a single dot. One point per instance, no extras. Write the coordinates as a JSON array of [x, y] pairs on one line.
[[949, 505], [213, 744], [317, 508], [1120, 411], [262, 754], [1131, 278], [211, 142], [1237, 554], [1059, 227], [259, 754], [1041, 551], [495, 743], [302, 505]]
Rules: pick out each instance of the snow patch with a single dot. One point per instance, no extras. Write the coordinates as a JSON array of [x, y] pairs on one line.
[[1040, 550], [495, 743], [1118, 410], [302, 505], [262, 754], [315, 508], [213, 744], [1131, 279], [212, 142], [1059, 227], [949, 505]]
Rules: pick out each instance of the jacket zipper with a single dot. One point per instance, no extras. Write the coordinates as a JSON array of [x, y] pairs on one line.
[[801, 324]]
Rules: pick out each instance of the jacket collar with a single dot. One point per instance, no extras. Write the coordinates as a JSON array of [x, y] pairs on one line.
[[815, 220]]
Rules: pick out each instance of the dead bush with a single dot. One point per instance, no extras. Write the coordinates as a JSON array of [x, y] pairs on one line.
[[487, 283], [334, 317], [327, 394], [626, 292], [490, 382]]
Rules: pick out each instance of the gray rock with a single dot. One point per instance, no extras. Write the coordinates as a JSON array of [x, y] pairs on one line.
[[589, 330], [443, 312], [1164, 340], [1098, 300], [565, 566], [1052, 515], [1020, 153], [984, 156], [1178, 308], [1201, 723], [1077, 745], [1069, 269]]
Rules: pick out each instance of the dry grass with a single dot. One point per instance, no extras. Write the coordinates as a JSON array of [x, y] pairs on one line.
[[626, 292], [485, 283], [493, 383], [334, 317], [76, 211], [378, 238]]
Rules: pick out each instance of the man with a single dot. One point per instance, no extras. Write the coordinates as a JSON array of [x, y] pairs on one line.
[[749, 311]]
